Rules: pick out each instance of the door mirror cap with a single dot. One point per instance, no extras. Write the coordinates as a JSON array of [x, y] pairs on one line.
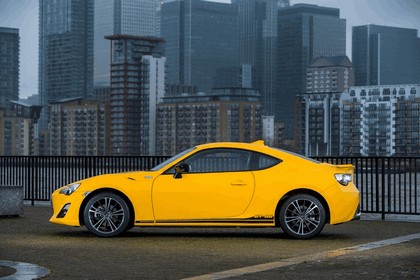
[[181, 168]]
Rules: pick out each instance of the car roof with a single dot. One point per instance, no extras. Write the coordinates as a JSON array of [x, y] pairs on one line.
[[254, 145], [257, 146]]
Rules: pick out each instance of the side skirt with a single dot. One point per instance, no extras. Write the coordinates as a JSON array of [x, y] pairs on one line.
[[249, 222]]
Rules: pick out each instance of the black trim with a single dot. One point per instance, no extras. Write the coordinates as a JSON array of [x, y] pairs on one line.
[[145, 222], [221, 221]]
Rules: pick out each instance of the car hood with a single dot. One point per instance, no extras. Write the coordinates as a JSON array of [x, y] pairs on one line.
[[133, 176]]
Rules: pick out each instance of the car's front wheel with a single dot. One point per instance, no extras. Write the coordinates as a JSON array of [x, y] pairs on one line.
[[302, 216], [106, 215]]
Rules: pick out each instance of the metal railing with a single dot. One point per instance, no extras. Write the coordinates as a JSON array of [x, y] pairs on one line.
[[41, 175], [388, 185]]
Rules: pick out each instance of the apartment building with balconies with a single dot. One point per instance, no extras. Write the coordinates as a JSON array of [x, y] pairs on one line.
[[18, 123], [79, 127], [381, 120], [227, 114], [362, 121]]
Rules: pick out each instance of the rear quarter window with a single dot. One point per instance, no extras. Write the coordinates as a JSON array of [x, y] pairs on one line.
[[262, 161]]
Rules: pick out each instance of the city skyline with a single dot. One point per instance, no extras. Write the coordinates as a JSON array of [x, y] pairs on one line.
[[24, 16]]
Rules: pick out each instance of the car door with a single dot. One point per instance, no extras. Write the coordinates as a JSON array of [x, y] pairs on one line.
[[217, 185]]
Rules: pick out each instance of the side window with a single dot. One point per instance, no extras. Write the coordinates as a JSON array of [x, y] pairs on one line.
[[262, 161], [219, 160]]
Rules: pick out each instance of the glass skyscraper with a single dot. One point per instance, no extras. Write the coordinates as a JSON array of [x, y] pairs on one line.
[[384, 55], [258, 44], [65, 51], [9, 70], [305, 32], [201, 37], [123, 17]]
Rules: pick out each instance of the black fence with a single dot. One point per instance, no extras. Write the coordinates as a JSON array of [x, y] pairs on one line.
[[41, 175], [388, 185]]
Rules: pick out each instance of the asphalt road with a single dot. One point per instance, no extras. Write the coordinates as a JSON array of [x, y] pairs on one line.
[[177, 253]]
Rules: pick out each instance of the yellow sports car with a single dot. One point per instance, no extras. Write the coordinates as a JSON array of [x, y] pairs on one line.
[[218, 184]]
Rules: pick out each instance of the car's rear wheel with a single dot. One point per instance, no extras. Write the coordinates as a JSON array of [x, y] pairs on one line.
[[106, 215], [302, 216]]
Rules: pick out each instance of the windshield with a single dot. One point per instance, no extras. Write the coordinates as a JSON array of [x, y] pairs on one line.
[[172, 159]]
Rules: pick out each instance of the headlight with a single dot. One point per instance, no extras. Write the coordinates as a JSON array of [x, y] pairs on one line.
[[343, 179], [68, 190]]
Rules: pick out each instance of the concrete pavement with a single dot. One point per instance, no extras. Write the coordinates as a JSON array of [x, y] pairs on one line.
[[177, 253]]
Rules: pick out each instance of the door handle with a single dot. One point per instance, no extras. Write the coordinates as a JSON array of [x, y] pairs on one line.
[[238, 183]]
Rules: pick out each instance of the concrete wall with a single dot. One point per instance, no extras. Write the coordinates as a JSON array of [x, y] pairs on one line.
[[11, 200]]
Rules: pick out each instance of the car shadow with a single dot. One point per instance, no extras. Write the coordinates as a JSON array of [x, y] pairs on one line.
[[182, 233]]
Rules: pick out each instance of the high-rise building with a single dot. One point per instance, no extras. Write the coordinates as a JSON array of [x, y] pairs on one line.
[[318, 110], [384, 55], [65, 51], [273, 133], [17, 127], [258, 44], [9, 70], [229, 114], [381, 120], [407, 121], [79, 127], [123, 17], [319, 123], [362, 121], [268, 130], [234, 77], [201, 37], [329, 74], [305, 32], [137, 86]]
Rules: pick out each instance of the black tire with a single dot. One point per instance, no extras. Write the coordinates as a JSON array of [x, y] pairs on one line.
[[106, 215], [302, 216]]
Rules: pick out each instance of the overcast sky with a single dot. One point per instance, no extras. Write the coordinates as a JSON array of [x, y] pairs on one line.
[[23, 14]]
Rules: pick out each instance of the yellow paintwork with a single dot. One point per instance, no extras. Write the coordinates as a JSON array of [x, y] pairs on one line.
[[247, 198]]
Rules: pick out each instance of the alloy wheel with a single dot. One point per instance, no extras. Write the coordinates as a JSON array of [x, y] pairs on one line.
[[106, 215], [302, 216]]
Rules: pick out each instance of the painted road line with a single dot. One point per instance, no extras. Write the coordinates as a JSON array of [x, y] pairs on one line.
[[308, 258]]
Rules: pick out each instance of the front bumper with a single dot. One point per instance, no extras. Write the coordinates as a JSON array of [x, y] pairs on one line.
[[358, 214], [66, 208]]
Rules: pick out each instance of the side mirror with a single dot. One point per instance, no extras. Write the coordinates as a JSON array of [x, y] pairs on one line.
[[181, 168]]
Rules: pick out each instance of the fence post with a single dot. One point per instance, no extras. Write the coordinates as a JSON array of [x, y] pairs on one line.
[[383, 188], [30, 182], [375, 182]]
